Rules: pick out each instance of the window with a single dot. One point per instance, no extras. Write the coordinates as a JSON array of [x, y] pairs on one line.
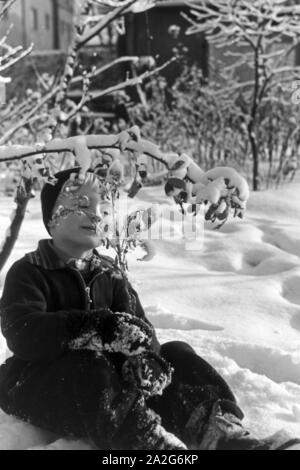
[[35, 20], [47, 21]]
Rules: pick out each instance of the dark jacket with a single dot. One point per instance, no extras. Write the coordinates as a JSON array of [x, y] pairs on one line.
[[44, 303]]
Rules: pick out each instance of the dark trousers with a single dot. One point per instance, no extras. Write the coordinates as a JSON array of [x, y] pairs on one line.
[[194, 382], [76, 394]]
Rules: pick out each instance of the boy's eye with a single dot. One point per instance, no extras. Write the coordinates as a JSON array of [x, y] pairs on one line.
[[84, 202]]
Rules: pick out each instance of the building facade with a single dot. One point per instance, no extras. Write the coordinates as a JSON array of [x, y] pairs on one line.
[[149, 33], [48, 24]]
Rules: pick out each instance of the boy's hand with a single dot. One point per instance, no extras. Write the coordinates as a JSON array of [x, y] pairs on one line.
[[123, 332], [104, 330]]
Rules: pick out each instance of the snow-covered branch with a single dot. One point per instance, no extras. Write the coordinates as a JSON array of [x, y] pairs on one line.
[[260, 25], [102, 24], [13, 57], [223, 188], [96, 72], [5, 8], [18, 152], [232, 20]]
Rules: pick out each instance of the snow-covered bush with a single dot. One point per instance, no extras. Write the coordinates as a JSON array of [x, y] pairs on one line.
[[197, 117], [259, 36], [189, 118]]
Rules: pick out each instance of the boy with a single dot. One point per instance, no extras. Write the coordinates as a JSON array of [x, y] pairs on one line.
[[86, 361]]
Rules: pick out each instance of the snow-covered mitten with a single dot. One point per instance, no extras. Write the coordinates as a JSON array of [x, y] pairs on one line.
[[104, 330], [127, 334], [149, 372]]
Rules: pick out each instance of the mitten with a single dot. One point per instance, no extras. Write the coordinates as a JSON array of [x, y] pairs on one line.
[[125, 333], [149, 372], [104, 330]]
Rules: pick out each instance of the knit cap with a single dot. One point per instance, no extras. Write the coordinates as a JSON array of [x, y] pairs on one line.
[[50, 193]]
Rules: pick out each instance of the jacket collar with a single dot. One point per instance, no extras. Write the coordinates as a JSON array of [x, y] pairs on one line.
[[46, 257]]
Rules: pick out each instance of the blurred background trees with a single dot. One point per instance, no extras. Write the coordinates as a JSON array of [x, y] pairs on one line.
[[242, 110]]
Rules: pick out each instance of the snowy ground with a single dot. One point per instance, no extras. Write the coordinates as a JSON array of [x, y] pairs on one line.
[[236, 300]]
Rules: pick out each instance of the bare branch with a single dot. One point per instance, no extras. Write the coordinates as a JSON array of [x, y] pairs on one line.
[[131, 81], [5, 138], [39, 77], [77, 108]]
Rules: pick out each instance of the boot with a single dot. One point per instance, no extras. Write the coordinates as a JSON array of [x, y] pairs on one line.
[[219, 427]]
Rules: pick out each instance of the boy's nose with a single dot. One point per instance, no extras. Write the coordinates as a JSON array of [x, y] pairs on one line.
[[93, 217], [96, 218]]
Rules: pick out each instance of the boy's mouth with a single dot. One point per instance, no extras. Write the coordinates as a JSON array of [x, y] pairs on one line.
[[89, 228]]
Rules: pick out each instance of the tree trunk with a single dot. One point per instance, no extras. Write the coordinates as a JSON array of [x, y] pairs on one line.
[[16, 222], [255, 168], [251, 125], [56, 20]]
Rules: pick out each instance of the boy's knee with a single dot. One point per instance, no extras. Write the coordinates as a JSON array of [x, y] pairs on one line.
[[174, 348]]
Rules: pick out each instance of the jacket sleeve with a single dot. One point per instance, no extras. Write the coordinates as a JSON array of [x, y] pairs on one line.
[[33, 333], [126, 299]]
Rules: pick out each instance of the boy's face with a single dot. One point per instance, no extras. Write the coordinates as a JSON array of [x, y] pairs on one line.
[[77, 216]]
